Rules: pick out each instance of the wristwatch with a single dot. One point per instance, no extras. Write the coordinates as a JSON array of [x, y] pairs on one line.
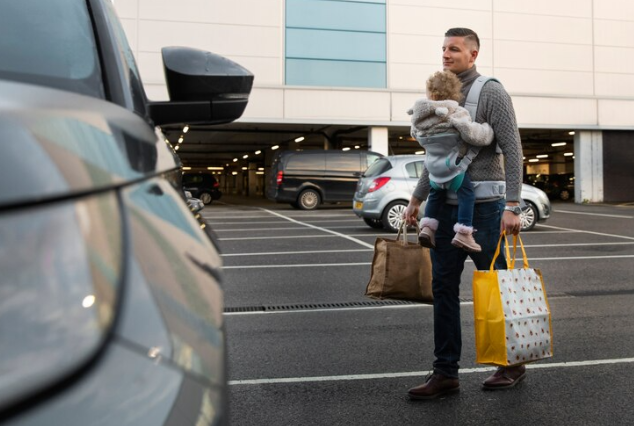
[[515, 209]]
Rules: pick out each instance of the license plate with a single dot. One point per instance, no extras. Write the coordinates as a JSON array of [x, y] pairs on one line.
[[358, 205]]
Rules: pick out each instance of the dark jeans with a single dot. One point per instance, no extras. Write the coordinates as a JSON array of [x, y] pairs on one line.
[[448, 264], [466, 200]]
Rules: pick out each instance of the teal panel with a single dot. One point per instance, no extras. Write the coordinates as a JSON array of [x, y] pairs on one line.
[[303, 72], [335, 15], [341, 45]]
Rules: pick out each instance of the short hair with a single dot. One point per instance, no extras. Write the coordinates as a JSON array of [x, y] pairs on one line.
[[443, 85], [467, 33]]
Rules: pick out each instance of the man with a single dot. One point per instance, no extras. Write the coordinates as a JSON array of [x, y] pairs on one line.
[[490, 172]]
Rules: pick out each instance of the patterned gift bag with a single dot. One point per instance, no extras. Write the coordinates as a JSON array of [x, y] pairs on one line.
[[512, 317]]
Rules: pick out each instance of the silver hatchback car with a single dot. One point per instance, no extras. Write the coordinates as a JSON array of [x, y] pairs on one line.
[[386, 187]]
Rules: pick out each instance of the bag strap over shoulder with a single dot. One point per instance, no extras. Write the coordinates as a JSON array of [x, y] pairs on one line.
[[471, 105]]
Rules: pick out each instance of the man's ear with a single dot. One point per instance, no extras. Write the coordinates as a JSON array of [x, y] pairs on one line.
[[474, 55]]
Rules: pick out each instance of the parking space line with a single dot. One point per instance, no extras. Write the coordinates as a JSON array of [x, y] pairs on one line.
[[596, 214], [338, 234], [353, 377], [298, 252], [590, 232], [317, 265]]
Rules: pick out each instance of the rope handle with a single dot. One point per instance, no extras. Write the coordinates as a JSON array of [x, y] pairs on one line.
[[510, 261], [402, 230]]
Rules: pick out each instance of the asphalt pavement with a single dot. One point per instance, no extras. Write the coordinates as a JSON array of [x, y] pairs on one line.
[[306, 347]]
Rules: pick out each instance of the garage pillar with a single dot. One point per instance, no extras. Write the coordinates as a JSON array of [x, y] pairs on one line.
[[378, 140], [588, 166]]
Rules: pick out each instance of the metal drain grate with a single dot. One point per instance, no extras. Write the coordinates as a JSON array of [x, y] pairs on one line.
[[371, 303]]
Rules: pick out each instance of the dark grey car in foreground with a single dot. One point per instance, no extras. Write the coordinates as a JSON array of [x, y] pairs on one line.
[[110, 289]]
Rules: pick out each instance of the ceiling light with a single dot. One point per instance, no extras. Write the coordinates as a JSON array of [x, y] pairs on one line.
[[186, 168], [346, 148], [234, 173], [260, 168], [299, 139], [259, 173], [274, 147], [558, 144], [215, 168], [176, 147], [568, 154], [185, 129], [419, 152], [571, 133], [235, 160], [258, 152], [357, 147], [244, 168], [245, 156], [542, 156], [533, 160], [180, 140]]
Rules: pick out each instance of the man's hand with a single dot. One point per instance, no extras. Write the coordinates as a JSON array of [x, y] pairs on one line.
[[510, 223], [410, 215]]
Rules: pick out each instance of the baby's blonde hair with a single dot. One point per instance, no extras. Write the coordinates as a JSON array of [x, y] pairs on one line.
[[443, 85]]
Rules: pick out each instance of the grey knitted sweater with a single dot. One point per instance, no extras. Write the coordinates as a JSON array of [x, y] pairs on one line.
[[496, 108]]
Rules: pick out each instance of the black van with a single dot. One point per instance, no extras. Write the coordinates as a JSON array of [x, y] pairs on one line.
[[305, 179]]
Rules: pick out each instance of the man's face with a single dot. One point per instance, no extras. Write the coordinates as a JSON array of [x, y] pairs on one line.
[[458, 54]]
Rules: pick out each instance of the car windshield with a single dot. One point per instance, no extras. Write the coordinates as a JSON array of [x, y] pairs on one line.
[[380, 166], [50, 43]]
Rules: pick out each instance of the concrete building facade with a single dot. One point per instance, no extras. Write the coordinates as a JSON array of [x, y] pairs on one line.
[[357, 66]]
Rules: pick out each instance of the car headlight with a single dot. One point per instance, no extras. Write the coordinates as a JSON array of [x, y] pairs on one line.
[[61, 267]]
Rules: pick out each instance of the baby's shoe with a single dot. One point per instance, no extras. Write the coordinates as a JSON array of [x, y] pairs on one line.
[[428, 227], [464, 238]]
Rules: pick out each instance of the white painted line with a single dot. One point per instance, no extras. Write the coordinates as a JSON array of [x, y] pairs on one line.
[[332, 310], [353, 377], [363, 243], [317, 265], [595, 214], [276, 253], [590, 232], [288, 253]]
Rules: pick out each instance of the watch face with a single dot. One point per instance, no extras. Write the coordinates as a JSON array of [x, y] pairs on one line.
[[514, 209]]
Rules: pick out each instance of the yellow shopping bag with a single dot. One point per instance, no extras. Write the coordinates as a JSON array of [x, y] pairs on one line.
[[513, 322]]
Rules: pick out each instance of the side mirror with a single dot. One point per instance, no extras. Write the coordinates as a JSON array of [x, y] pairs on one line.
[[204, 88]]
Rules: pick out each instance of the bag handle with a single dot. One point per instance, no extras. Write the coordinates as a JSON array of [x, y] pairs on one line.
[[510, 261], [402, 230]]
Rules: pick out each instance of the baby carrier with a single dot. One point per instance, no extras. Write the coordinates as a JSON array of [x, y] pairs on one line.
[[443, 160]]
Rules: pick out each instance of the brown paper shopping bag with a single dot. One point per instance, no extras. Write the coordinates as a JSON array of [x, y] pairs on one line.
[[401, 270]]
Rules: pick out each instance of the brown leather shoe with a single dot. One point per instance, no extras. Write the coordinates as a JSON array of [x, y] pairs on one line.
[[505, 377], [436, 385]]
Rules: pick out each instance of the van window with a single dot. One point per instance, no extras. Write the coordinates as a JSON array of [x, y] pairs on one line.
[[343, 162], [414, 169], [301, 162]]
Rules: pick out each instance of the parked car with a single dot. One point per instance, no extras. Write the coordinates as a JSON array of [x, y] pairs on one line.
[[202, 186], [111, 302], [557, 186], [306, 179], [385, 188]]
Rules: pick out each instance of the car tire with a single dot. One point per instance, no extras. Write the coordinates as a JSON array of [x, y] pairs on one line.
[[564, 195], [373, 223], [529, 216], [206, 198], [393, 215], [309, 199]]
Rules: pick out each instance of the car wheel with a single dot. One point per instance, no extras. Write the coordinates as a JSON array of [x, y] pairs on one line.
[[529, 216], [308, 199], [206, 198], [393, 215], [564, 195], [373, 223]]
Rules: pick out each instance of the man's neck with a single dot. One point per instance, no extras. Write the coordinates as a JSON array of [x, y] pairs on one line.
[[467, 78]]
